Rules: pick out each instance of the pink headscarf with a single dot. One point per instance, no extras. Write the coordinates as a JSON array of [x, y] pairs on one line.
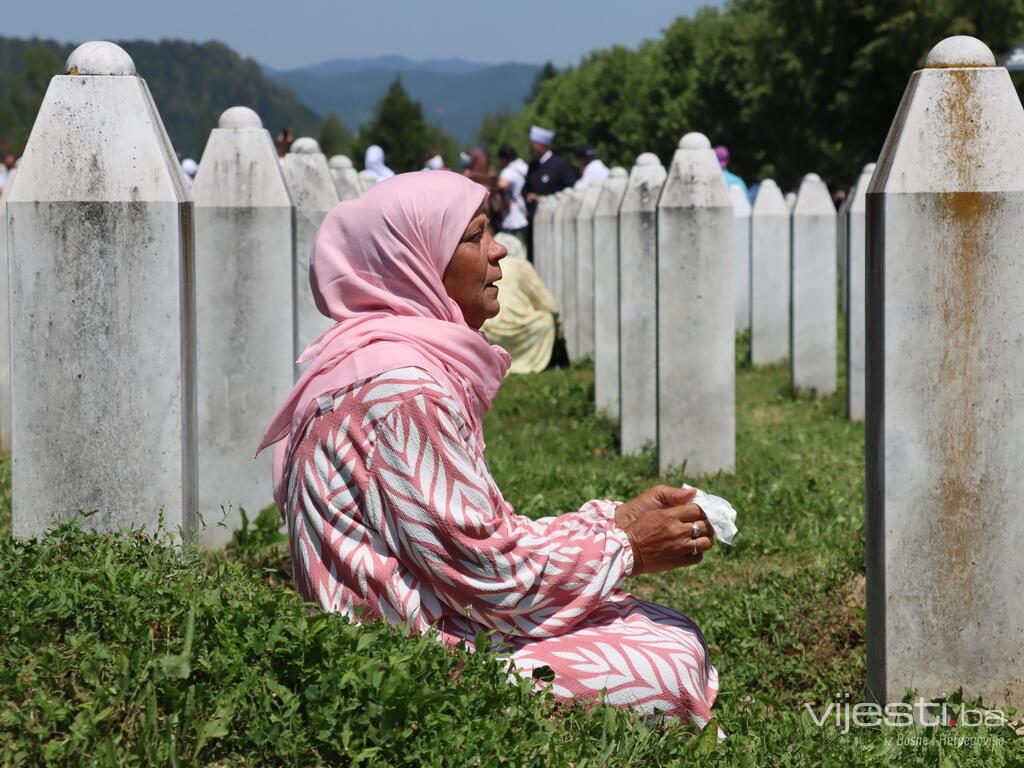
[[377, 268]]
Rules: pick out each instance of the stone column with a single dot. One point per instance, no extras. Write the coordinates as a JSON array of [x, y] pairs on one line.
[[570, 280], [945, 469], [638, 290], [842, 246], [769, 276], [5, 317], [244, 274], [741, 257], [346, 180], [855, 240], [100, 240], [366, 180], [696, 315], [585, 268], [541, 233], [557, 227], [813, 363], [313, 195], [606, 292]]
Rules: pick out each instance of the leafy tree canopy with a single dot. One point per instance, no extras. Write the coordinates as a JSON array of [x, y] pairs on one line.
[[192, 84], [789, 86], [399, 127]]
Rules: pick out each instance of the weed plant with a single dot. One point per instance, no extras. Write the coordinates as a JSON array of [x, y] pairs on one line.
[[133, 650]]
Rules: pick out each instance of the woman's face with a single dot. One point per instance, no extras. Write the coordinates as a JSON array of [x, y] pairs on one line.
[[473, 271]]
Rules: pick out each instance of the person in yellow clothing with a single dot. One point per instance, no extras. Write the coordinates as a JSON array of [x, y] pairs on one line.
[[527, 323]]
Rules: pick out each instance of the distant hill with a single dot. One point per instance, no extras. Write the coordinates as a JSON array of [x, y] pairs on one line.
[[391, 64], [454, 93], [192, 84]]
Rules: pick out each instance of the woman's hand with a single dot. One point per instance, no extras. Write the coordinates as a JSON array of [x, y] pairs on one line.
[[661, 524]]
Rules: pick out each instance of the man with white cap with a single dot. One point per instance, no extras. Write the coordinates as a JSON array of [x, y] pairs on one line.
[[547, 174]]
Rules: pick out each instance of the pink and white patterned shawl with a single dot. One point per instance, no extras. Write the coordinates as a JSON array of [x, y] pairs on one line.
[[377, 268]]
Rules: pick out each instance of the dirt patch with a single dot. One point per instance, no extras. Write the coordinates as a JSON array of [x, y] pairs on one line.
[[768, 415]]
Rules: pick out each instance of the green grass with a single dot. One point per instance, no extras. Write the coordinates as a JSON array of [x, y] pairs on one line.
[[126, 650]]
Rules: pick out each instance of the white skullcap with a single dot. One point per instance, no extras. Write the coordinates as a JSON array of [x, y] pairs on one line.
[[541, 135], [189, 166], [435, 163]]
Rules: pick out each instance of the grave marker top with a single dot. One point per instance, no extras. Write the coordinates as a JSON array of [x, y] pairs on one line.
[[695, 178], [308, 177], [740, 203], [813, 198], [858, 203], [694, 140], [112, 121], [239, 166], [239, 118], [612, 190], [960, 51], [769, 200], [305, 146], [979, 114], [99, 58], [644, 185]]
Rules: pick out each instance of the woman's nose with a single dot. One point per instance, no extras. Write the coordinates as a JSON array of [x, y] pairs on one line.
[[498, 251]]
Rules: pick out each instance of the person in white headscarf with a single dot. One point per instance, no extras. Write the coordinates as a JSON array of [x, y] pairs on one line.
[[190, 168], [526, 324], [374, 163], [435, 162], [594, 169]]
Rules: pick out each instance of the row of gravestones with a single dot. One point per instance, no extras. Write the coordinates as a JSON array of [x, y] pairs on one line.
[[114, 275], [634, 262], [597, 246], [153, 327], [929, 253]]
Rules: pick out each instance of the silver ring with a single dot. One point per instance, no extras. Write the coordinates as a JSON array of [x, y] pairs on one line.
[[695, 532]]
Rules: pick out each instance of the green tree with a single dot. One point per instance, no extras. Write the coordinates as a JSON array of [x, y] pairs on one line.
[[545, 73], [335, 138], [23, 94], [788, 86], [399, 128]]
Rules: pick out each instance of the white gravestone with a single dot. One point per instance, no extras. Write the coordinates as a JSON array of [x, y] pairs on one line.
[[5, 318], [244, 317], [313, 195], [570, 280], [769, 276], [813, 353], [741, 257], [102, 309], [346, 180], [557, 227], [842, 246], [366, 180], [696, 315], [856, 222], [585, 268], [541, 233], [606, 292], [945, 469], [638, 290]]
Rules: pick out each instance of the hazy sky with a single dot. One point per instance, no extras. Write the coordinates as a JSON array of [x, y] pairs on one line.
[[291, 33]]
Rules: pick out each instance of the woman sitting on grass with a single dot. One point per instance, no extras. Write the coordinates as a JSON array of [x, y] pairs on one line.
[[391, 509]]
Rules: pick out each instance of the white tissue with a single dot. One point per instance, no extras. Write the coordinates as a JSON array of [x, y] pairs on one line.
[[719, 513]]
